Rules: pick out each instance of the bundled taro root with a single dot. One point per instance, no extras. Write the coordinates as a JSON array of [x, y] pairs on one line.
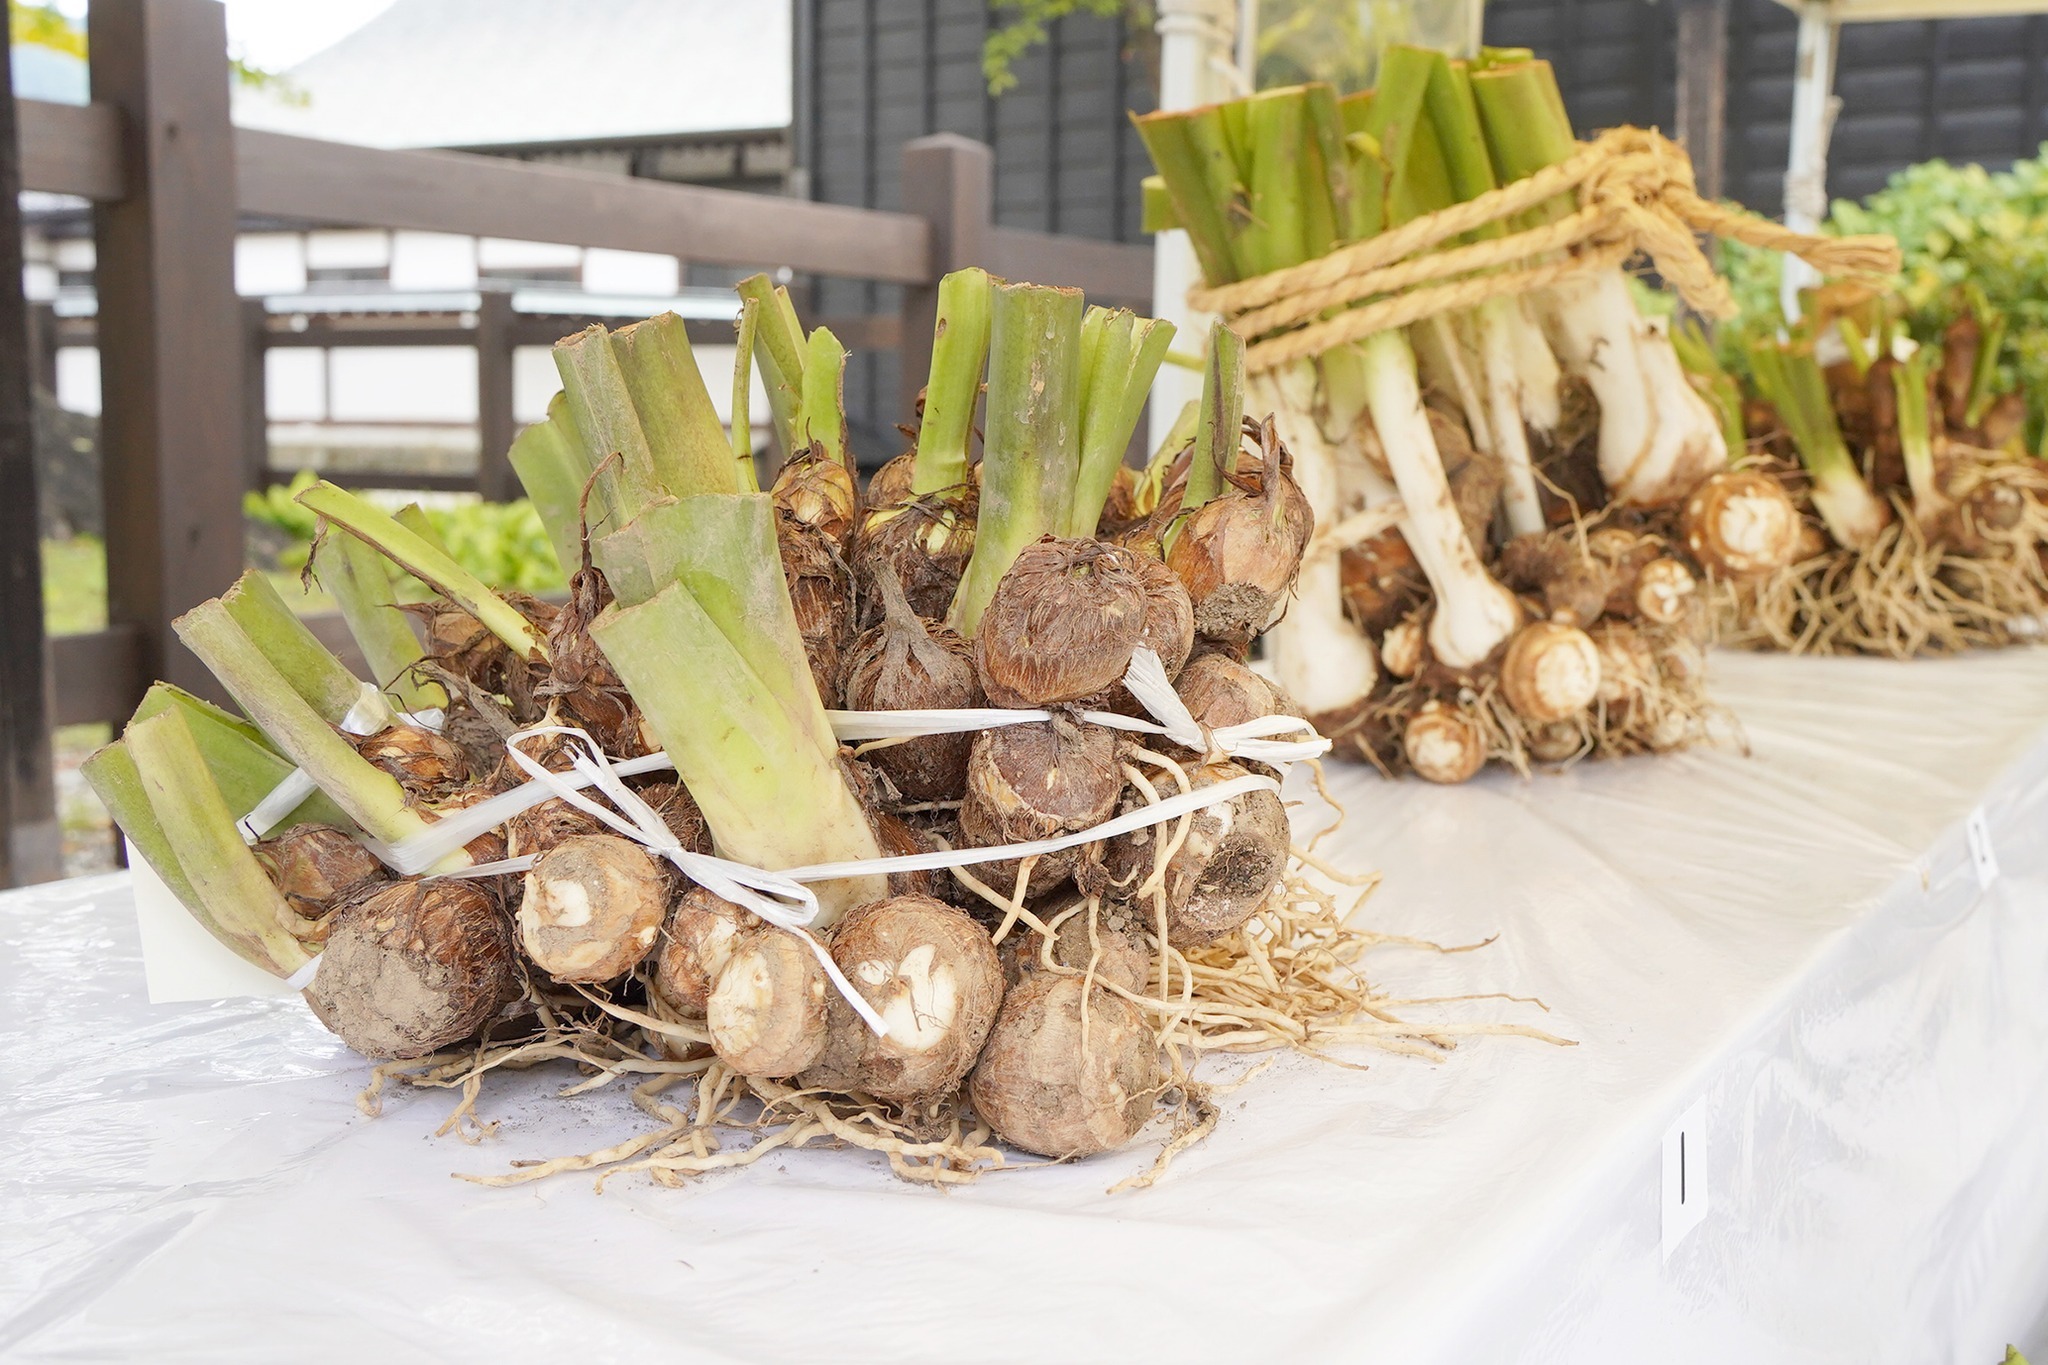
[[1919, 514], [1518, 496], [507, 849]]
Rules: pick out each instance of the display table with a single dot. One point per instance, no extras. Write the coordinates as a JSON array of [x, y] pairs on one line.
[[1795, 941]]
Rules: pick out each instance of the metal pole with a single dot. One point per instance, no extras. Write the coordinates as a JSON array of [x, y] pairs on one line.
[[1813, 119]]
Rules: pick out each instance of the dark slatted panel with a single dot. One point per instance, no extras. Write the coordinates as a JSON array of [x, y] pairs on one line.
[[1965, 89], [874, 74]]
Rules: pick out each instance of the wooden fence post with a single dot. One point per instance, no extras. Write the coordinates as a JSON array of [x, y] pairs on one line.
[[170, 326], [949, 181], [31, 843], [1703, 88], [495, 478], [255, 395]]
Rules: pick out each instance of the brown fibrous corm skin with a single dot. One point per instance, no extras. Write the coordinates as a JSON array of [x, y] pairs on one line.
[[1062, 623], [932, 975], [415, 968], [1042, 1089]]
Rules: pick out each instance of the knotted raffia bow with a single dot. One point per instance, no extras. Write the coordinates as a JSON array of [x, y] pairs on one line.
[[1635, 193]]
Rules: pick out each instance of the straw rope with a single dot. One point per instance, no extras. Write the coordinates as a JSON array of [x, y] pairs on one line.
[[1636, 194]]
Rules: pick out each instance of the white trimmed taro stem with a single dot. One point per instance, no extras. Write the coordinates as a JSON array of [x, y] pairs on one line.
[[1474, 614], [1324, 660], [1658, 438], [1505, 397]]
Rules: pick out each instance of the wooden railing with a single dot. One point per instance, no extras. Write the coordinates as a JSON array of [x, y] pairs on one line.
[[169, 175]]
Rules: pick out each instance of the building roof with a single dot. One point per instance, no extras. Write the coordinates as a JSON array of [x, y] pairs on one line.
[[476, 73]]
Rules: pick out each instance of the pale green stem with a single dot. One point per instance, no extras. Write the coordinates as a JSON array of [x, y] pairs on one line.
[[432, 566]]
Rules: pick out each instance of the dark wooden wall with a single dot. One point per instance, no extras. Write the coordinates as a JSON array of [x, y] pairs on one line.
[[1965, 89], [873, 74]]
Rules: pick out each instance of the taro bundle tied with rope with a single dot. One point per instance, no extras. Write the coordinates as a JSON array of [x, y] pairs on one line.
[[1516, 485]]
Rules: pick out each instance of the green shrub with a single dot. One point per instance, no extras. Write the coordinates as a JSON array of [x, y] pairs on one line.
[[504, 544], [1957, 226]]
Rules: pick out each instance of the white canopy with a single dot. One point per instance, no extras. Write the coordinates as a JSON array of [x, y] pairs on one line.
[[1869, 11]]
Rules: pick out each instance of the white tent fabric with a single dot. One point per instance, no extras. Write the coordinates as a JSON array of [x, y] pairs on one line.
[[1794, 941]]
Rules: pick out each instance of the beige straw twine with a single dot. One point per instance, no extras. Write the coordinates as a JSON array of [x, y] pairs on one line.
[[1635, 193]]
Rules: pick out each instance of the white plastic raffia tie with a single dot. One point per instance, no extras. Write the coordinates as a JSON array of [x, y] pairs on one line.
[[370, 714], [783, 898], [1146, 678]]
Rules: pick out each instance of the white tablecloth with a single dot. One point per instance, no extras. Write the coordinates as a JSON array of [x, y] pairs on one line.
[[1795, 939]]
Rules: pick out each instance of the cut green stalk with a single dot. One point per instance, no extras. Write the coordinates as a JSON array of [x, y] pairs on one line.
[[414, 518], [370, 796], [723, 551], [1853, 341], [1030, 454], [779, 351], [1366, 162], [1126, 356], [762, 768], [684, 436], [1220, 424], [548, 457], [822, 418], [1325, 171], [231, 895], [743, 397], [359, 579], [599, 405], [1276, 213], [1991, 323], [1393, 119], [298, 655], [1155, 212], [110, 772], [244, 763], [1194, 163], [960, 340], [1916, 435], [432, 566], [1791, 380]]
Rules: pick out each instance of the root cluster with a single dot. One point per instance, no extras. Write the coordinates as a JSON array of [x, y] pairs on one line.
[[1918, 589], [1292, 977]]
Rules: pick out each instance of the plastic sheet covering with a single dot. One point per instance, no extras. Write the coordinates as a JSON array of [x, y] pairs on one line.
[[1795, 941]]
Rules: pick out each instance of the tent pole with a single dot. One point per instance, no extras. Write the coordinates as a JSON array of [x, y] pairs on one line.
[[1813, 120]]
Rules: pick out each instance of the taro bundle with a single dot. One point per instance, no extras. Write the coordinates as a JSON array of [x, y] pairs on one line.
[[1923, 516], [626, 832], [1517, 490]]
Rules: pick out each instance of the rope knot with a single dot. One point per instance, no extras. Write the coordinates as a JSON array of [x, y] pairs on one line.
[[1635, 195]]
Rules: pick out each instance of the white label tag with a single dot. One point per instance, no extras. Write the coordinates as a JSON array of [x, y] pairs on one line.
[[1685, 1176], [180, 960], [1978, 830]]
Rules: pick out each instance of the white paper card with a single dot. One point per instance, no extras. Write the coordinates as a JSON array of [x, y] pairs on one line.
[[180, 960], [1685, 1176], [1978, 830]]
